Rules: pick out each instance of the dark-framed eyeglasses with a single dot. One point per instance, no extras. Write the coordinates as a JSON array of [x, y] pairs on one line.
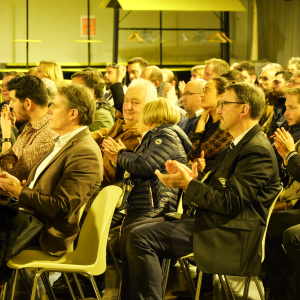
[[186, 94], [221, 103]]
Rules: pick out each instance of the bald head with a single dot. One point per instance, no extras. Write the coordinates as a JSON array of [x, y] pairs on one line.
[[191, 98], [153, 74]]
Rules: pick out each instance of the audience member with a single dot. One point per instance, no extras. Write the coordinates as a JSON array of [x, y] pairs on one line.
[[154, 75], [64, 180], [168, 75], [215, 68], [197, 72], [50, 69], [161, 140], [248, 71], [277, 118], [191, 101], [115, 95], [293, 64], [265, 80], [234, 76], [138, 93], [135, 66], [29, 102], [295, 80], [231, 206], [104, 114], [208, 138], [282, 262]]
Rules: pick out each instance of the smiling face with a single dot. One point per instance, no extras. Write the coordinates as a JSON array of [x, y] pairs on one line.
[[133, 103], [292, 112], [134, 71]]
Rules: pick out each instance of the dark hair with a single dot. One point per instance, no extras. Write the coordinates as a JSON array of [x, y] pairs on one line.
[[253, 96], [246, 66], [30, 87], [79, 97], [234, 76], [14, 74], [221, 84], [93, 81], [286, 75], [142, 61]]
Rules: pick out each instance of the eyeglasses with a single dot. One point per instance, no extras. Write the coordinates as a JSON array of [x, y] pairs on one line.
[[221, 103], [293, 82], [186, 94]]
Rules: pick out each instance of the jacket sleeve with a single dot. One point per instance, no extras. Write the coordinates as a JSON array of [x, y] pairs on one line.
[[160, 149], [77, 181], [102, 119], [293, 167], [253, 171], [118, 95]]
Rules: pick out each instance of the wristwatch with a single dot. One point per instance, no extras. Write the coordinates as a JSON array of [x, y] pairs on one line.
[[6, 140]]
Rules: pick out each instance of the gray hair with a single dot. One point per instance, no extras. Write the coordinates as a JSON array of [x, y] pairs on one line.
[[150, 92], [51, 88], [272, 66], [79, 97], [253, 96]]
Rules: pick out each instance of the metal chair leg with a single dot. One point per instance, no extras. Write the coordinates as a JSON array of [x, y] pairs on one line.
[[260, 291], [187, 276], [165, 274], [3, 293], [114, 258], [229, 287], [246, 288], [26, 282], [69, 285], [223, 286], [94, 286], [119, 290], [199, 286], [14, 285], [47, 285], [35, 283], [78, 286]]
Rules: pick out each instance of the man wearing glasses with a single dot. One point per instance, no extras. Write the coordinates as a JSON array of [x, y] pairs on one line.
[[231, 204]]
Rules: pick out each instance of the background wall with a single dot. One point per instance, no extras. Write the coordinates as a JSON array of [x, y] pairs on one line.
[[57, 23]]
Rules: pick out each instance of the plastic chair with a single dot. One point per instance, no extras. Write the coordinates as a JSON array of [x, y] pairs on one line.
[[195, 292], [89, 258]]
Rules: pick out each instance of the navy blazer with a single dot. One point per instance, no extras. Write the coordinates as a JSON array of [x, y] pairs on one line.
[[232, 206]]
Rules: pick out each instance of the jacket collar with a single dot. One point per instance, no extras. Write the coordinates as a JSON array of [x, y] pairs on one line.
[[68, 144], [129, 125]]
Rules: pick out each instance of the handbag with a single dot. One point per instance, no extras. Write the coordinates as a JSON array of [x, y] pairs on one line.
[[126, 185]]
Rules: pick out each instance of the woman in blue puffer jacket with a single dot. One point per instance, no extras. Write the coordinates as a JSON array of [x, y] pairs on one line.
[[162, 140]]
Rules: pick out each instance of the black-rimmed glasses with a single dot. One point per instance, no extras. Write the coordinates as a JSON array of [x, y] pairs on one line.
[[221, 103]]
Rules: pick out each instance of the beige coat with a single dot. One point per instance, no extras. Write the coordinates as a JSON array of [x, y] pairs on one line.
[[67, 182]]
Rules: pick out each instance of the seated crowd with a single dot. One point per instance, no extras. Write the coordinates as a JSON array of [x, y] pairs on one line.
[[226, 143]]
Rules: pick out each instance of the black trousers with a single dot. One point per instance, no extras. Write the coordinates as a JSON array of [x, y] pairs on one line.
[[282, 265], [143, 245]]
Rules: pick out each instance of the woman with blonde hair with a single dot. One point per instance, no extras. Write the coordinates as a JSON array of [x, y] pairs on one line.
[[162, 140], [50, 69]]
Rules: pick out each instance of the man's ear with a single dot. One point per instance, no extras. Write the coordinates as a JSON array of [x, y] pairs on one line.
[[28, 104], [245, 110], [74, 114]]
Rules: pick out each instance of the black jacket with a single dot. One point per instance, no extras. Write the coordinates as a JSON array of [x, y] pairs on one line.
[[150, 197], [232, 207]]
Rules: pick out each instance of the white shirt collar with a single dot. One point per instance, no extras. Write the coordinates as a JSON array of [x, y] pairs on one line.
[[62, 140], [239, 138], [196, 114]]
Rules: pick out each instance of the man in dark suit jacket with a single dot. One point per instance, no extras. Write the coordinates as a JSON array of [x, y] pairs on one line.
[[67, 177], [231, 206]]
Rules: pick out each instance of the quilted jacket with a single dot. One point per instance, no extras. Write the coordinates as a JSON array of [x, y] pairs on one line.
[[149, 196]]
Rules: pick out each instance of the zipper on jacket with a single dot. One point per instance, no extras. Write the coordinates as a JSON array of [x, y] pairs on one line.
[[150, 193]]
